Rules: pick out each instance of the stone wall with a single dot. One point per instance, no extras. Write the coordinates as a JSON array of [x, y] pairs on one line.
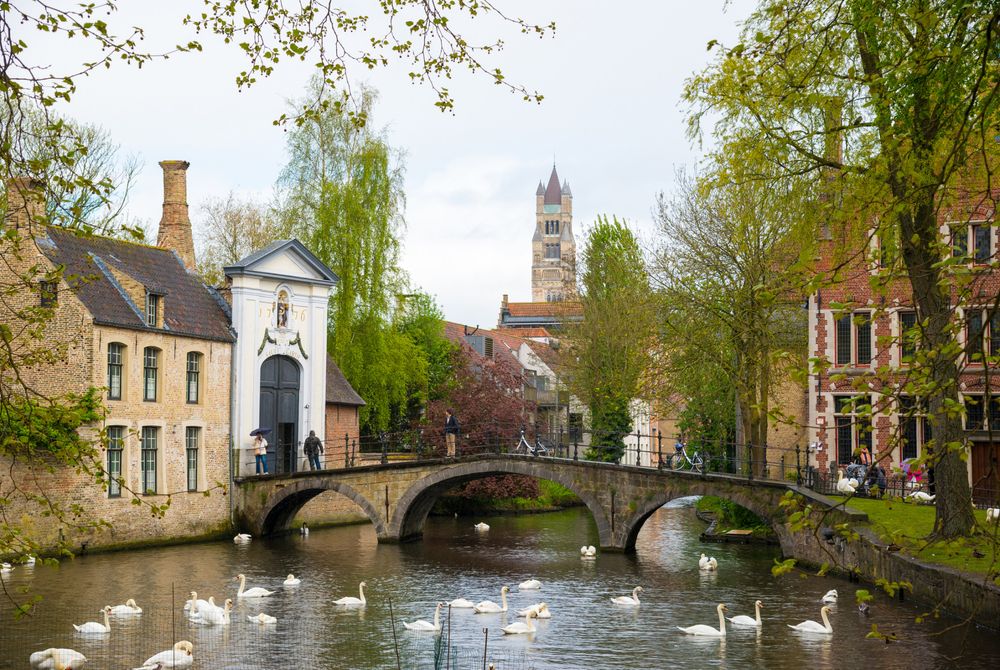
[[327, 509]]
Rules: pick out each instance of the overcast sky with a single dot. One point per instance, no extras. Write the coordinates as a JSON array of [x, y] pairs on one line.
[[612, 119]]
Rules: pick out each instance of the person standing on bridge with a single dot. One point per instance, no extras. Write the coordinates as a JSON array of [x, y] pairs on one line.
[[450, 432], [260, 452], [313, 448]]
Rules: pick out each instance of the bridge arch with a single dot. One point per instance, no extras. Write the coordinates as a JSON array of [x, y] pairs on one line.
[[415, 504], [284, 503]]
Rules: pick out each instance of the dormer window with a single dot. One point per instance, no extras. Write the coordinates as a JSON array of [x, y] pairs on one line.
[[152, 309]]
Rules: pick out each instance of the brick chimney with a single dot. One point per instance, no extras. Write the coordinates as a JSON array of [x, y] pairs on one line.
[[25, 203], [175, 226]]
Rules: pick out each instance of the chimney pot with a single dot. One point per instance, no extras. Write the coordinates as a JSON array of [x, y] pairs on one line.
[[175, 225]]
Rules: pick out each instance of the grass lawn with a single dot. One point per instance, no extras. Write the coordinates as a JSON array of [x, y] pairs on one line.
[[908, 525]]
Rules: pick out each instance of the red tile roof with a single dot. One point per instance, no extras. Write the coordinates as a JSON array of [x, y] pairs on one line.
[[567, 308]]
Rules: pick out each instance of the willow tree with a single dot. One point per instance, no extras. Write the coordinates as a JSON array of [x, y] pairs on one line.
[[610, 349], [893, 101]]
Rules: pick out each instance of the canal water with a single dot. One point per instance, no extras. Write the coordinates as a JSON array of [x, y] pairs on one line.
[[453, 560]]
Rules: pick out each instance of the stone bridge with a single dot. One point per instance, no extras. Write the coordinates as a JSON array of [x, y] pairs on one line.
[[398, 496]]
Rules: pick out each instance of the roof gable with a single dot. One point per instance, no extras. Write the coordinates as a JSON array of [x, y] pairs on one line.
[[287, 259]]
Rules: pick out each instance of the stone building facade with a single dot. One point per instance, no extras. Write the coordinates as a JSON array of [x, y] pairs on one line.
[[553, 247]]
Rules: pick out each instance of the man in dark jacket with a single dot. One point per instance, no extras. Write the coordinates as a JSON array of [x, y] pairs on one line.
[[313, 448], [450, 431]]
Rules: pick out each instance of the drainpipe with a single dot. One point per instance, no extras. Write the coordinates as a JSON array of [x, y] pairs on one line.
[[232, 427]]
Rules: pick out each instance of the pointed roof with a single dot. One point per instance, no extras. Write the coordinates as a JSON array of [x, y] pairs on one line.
[[565, 189], [541, 189], [313, 269], [553, 192]]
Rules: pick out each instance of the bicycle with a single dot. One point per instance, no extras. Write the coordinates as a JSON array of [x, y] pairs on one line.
[[526, 448], [681, 459]]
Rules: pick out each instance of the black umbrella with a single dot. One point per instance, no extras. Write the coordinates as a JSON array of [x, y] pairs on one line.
[[259, 431]]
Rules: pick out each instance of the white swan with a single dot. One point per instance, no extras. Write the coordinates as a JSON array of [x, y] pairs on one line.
[[242, 538], [519, 628], [703, 562], [218, 616], [127, 609], [351, 601], [830, 596], [482, 527], [29, 560], [6, 568], [57, 659], [708, 564], [921, 497], [992, 514], [196, 605], [702, 629], [291, 580], [426, 626], [588, 552], [94, 628], [810, 626], [628, 601], [461, 604], [844, 485], [529, 585], [744, 620], [255, 592], [263, 618], [490, 607], [540, 610], [181, 656], [304, 530]]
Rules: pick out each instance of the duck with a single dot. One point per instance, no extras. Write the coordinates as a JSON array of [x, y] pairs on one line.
[[708, 564], [830, 597], [921, 497], [744, 620], [529, 585], [351, 601], [57, 659], [844, 485], [304, 530], [519, 628], [541, 611], [127, 609], [291, 580], [490, 607], [181, 656], [426, 626], [482, 527], [255, 592], [708, 631], [810, 626], [865, 609], [217, 616], [95, 628], [263, 618], [242, 538], [628, 601], [461, 604]]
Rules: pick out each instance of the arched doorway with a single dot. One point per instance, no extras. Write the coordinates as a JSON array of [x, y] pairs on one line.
[[279, 411]]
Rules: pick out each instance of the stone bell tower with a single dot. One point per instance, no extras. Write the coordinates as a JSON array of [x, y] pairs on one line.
[[553, 257]]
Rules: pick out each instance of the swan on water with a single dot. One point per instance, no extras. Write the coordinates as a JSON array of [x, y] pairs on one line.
[[57, 659], [196, 605], [628, 600], [519, 628], [181, 656], [255, 592], [304, 530], [262, 618], [29, 561], [242, 538], [461, 604], [588, 552], [351, 601], [529, 585], [291, 580], [490, 607], [217, 616], [426, 626], [810, 626], [482, 527], [921, 497], [844, 485], [541, 611], [830, 596], [708, 564], [92, 627], [702, 629], [128, 608], [744, 620], [6, 568]]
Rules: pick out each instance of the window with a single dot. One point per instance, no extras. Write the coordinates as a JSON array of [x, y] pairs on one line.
[[150, 358], [152, 310], [552, 227], [193, 376], [552, 250], [48, 293], [150, 435], [116, 360], [981, 243], [854, 339], [116, 443], [852, 423], [975, 412], [888, 249], [908, 336], [192, 438], [978, 237], [982, 335], [915, 427]]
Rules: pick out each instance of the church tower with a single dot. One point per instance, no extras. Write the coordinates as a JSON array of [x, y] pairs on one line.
[[553, 249]]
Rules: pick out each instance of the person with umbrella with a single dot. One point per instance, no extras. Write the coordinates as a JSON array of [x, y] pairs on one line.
[[260, 448]]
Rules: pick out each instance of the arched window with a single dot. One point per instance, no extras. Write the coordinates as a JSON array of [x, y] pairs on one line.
[[116, 363], [150, 373], [193, 384]]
